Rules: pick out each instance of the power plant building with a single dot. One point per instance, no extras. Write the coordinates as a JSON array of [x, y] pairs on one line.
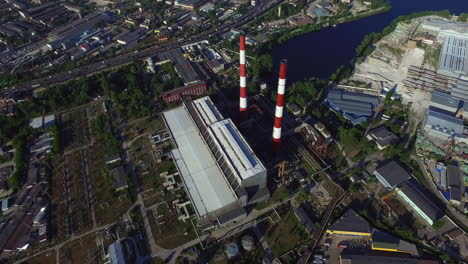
[[221, 173]]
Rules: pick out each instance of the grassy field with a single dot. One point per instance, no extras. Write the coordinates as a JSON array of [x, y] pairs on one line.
[[83, 250], [287, 234], [105, 197], [278, 195], [75, 130], [45, 258], [148, 171], [171, 232]]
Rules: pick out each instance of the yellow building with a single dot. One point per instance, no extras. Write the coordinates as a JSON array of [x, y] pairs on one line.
[[385, 242]]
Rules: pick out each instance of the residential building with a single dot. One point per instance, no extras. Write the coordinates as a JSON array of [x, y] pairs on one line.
[[382, 137], [391, 174]]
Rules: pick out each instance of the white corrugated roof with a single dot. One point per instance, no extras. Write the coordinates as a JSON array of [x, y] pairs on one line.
[[36, 122], [207, 110], [234, 146], [49, 118], [206, 184]]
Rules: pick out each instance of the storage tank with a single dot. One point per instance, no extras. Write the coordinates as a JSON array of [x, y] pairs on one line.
[[247, 243], [232, 250]]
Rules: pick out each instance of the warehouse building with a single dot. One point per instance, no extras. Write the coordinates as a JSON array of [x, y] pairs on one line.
[[453, 59], [445, 102], [413, 196], [460, 89], [382, 259], [444, 118], [75, 28], [350, 224], [443, 125], [220, 172], [391, 174], [117, 253], [354, 107], [382, 241], [454, 180]]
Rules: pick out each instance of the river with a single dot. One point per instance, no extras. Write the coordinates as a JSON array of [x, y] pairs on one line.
[[319, 54]]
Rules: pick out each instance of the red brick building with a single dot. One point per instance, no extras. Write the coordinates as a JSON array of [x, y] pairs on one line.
[[175, 95]]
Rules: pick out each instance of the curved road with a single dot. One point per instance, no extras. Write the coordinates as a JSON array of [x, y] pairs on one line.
[[107, 64]]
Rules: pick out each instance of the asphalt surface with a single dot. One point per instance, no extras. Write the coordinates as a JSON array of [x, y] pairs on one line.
[[62, 77]]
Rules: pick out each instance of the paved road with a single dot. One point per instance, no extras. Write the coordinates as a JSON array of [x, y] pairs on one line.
[[62, 77], [345, 155], [58, 246]]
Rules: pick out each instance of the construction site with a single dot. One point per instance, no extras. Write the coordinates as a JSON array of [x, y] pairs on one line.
[[422, 62]]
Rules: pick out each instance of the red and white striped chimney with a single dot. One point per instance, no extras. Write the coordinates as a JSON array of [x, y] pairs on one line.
[[243, 80], [279, 106]]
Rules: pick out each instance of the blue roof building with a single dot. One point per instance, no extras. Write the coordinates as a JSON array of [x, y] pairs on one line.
[[445, 101], [355, 107], [116, 253], [443, 125]]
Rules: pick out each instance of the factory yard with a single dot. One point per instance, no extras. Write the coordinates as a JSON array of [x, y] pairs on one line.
[[394, 61]]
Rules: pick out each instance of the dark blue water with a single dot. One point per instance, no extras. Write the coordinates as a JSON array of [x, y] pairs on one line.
[[319, 54]]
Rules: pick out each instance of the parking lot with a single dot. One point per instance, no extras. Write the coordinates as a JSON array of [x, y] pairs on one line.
[[353, 244]]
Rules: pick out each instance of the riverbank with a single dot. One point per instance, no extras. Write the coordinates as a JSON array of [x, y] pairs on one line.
[[280, 37]]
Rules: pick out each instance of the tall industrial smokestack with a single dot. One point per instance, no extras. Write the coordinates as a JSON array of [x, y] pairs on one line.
[[243, 80], [279, 106]]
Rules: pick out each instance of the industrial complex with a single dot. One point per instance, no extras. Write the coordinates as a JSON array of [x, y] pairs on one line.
[[221, 173], [157, 131]]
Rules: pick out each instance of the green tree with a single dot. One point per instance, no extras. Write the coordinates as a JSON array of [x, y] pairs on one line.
[[439, 223]]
